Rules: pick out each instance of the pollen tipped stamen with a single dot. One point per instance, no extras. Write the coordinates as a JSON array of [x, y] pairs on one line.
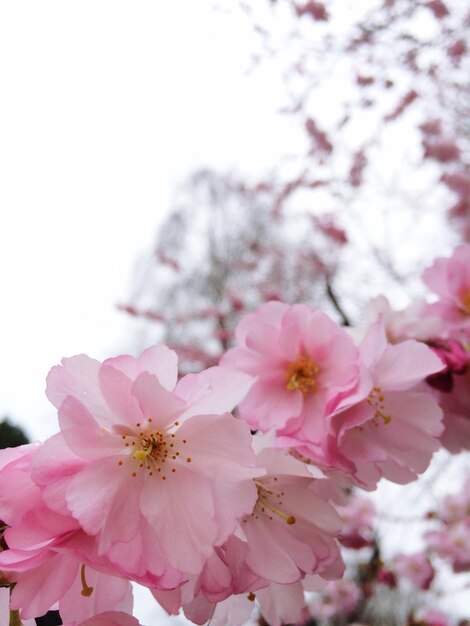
[[86, 590], [290, 519]]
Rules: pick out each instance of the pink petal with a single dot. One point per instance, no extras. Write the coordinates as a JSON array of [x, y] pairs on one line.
[[272, 404], [104, 495], [39, 589], [158, 360], [78, 377], [215, 390], [82, 434], [181, 511], [273, 559], [109, 593], [116, 388], [404, 365], [156, 402]]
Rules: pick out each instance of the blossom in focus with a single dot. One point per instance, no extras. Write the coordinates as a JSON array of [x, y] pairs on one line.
[[303, 362], [432, 617], [291, 531], [166, 472], [388, 427], [455, 507]]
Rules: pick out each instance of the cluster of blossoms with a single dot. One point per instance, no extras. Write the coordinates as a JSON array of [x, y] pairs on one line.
[[153, 479]]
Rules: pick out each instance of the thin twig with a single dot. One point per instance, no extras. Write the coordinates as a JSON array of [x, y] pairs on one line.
[[335, 302]]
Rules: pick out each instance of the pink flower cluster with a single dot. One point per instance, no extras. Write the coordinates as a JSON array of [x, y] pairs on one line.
[[153, 479], [362, 411]]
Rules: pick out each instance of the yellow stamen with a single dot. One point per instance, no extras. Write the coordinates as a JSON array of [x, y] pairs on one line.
[[86, 590], [141, 455], [301, 375]]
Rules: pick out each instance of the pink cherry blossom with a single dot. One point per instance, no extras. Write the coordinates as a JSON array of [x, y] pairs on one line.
[[358, 517], [303, 361], [291, 530], [416, 568], [452, 544], [165, 473], [388, 427], [455, 507], [340, 597], [413, 322], [432, 617], [281, 604], [449, 278], [224, 574]]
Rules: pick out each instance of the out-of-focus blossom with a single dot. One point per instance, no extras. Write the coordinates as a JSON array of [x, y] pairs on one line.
[[358, 517], [386, 577], [453, 544], [416, 568], [340, 597], [431, 617], [455, 507]]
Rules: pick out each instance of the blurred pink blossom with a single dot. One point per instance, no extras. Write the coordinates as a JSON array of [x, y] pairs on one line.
[[416, 568]]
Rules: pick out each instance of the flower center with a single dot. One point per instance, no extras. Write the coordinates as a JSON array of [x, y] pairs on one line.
[[302, 375], [157, 452]]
